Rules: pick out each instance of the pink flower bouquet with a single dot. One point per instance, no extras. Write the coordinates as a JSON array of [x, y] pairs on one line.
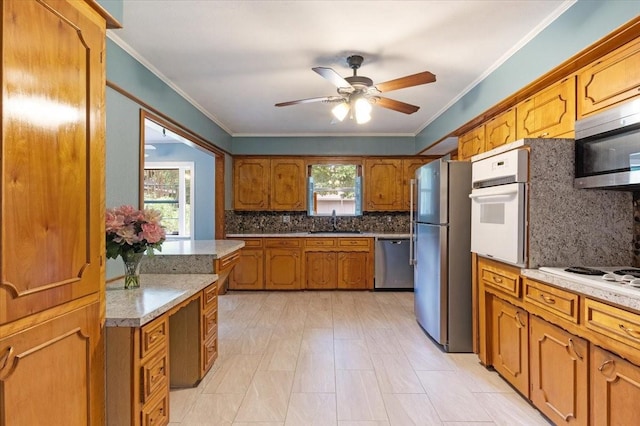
[[133, 231]]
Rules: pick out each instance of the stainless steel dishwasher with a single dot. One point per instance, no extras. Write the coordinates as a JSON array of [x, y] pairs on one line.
[[392, 269]]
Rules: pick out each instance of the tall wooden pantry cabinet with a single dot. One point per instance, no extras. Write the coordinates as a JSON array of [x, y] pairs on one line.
[[52, 212]]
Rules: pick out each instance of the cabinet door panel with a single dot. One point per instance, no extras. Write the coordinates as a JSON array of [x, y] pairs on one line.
[[615, 389], [609, 81], [559, 373], [39, 384], [248, 273], [471, 143], [282, 269], [383, 185], [288, 188], [548, 114], [501, 130], [509, 346], [320, 269], [352, 270], [52, 152], [251, 184]]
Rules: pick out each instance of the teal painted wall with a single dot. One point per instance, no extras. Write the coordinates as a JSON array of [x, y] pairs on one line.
[[203, 202], [324, 145], [580, 26]]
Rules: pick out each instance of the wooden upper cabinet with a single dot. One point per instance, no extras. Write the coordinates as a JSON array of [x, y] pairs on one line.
[[251, 183], [269, 184], [610, 80], [288, 184], [500, 130], [52, 190], [550, 113], [409, 167], [471, 143], [383, 189]]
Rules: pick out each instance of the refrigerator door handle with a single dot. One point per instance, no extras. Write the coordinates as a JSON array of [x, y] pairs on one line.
[[412, 258]]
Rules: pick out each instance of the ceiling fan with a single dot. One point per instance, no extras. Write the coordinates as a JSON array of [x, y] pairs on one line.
[[357, 93]]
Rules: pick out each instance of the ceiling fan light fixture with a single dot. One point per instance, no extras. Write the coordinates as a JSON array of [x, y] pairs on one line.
[[362, 110], [340, 111]]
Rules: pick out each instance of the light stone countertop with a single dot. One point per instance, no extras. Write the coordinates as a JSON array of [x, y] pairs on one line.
[[216, 248], [158, 293], [337, 234], [622, 296]]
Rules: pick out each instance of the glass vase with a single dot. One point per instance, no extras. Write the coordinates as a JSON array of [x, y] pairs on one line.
[[132, 269]]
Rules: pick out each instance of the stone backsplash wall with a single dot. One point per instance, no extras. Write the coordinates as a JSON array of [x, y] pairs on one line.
[[237, 222], [636, 229]]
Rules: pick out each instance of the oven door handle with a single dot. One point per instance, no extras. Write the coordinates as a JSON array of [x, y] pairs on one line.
[[494, 196]]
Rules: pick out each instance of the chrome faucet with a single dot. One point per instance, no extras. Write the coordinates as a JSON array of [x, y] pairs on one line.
[[334, 220]]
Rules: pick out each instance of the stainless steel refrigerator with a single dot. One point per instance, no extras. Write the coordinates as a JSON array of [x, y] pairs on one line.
[[441, 225]]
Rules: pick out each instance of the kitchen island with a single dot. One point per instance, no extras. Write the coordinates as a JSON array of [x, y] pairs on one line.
[[195, 257], [161, 335]]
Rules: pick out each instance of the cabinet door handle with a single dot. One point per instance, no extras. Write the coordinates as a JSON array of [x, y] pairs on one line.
[[573, 349], [543, 135], [547, 299], [630, 331], [5, 357], [496, 279], [604, 364], [518, 320]]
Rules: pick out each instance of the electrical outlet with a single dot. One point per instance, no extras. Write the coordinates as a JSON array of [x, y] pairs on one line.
[[389, 219], [286, 218]]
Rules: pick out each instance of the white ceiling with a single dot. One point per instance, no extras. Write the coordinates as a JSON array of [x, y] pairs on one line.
[[235, 59]]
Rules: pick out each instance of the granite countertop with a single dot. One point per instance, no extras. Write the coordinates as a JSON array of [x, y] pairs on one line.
[[157, 294], [622, 296], [321, 234], [215, 248]]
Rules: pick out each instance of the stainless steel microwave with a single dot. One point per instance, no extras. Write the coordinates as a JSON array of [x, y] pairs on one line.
[[607, 151]]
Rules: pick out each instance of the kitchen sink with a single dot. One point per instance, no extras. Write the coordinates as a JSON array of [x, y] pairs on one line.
[[338, 231]]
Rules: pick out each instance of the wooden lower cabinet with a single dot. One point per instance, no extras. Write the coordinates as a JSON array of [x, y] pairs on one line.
[[615, 389], [559, 368], [282, 268], [38, 384], [509, 343], [353, 270], [321, 270], [248, 273]]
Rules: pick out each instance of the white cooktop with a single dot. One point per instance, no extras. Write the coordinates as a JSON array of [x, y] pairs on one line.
[[622, 283]]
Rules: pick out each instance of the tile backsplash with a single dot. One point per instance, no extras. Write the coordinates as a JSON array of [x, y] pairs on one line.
[[237, 222]]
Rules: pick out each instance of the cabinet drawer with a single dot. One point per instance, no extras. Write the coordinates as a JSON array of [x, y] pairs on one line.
[[495, 279], [154, 376], [554, 300], [210, 297], [612, 322], [209, 352], [353, 242], [282, 242], [157, 412], [320, 242], [209, 324], [153, 335], [252, 243]]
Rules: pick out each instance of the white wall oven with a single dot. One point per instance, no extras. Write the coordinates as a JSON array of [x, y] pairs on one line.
[[498, 206]]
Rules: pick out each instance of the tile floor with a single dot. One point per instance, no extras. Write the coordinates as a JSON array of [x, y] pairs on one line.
[[340, 358]]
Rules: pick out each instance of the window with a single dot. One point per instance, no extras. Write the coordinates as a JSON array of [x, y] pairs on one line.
[[168, 187], [334, 187]]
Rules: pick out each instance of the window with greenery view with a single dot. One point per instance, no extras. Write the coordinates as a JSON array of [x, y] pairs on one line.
[[334, 187], [168, 187]]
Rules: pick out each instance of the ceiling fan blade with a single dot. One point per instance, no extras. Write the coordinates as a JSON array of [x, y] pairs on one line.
[[332, 76], [396, 105], [408, 81], [310, 100]]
